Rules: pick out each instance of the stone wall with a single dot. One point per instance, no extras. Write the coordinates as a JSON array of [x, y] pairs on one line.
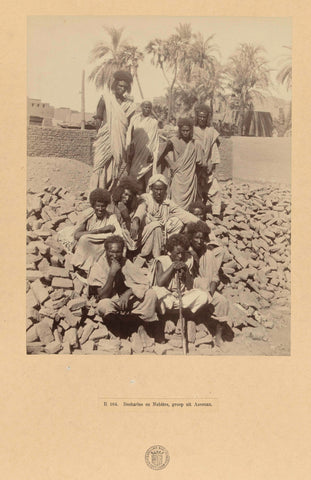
[[248, 158], [224, 169], [77, 144], [60, 142], [261, 159]]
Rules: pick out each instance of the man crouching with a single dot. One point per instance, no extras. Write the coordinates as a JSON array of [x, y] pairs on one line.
[[122, 287], [168, 267]]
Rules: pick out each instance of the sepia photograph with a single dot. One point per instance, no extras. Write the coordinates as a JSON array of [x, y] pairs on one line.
[[158, 185]]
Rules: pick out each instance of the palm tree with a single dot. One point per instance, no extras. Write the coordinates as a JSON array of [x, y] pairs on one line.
[[157, 48], [107, 54], [130, 57], [248, 79], [170, 55], [200, 56], [113, 55], [284, 76], [201, 76], [285, 73]]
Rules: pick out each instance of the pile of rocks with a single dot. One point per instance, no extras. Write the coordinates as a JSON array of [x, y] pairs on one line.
[[255, 232]]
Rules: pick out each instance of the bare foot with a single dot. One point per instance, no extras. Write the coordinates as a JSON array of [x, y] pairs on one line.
[[218, 337], [146, 340]]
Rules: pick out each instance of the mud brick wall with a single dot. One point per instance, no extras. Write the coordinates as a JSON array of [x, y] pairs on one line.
[[262, 159], [225, 168], [78, 144], [247, 158], [60, 142]]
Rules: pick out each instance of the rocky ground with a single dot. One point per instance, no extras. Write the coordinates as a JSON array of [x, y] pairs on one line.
[[255, 232]]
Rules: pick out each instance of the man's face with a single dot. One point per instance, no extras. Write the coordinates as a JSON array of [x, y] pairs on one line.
[[121, 88], [198, 212], [146, 109], [185, 133], [178, 254], [197, 241], [126, 196], [114, 252], [100, 209], [159, 191], [202, 119]]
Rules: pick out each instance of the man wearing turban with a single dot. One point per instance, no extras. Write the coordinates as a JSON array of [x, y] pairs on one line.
[[114, 112], [157, 217]]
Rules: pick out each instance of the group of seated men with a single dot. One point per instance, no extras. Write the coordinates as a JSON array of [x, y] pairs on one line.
[[139, 252]]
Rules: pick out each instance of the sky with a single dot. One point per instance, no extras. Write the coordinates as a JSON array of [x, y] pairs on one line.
[[58, 50]]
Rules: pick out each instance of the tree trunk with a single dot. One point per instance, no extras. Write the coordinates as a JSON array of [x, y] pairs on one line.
[[83, 101], [164, 75], [139, 86], [212, 109], [171, 90], [241, 121], [169, 113]]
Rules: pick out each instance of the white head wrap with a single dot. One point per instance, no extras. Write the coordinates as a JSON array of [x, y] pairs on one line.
[[158, 177]]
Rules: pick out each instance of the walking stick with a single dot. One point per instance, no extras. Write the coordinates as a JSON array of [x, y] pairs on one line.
[[181, 317]]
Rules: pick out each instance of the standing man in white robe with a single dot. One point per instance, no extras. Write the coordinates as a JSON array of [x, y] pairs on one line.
[[142, 145]]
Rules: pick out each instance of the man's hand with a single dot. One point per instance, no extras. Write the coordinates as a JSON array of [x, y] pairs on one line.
[[107, 229], [179, 266], [110, 228], [150, 158], [124, 300], [114, 268]]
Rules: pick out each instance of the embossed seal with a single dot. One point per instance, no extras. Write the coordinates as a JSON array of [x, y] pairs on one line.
[[157, 457]]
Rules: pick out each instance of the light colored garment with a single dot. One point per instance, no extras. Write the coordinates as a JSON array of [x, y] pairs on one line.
[[159, 222], [183, 161], [116, 210], [208, 183], [66, 235], [191, 298], [207, 137], [143, 133], [208, 273], [208, 268], [142, 302], [91, 245], [109, 146]]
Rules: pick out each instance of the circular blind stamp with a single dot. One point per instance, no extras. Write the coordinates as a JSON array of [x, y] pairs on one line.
[[157, 457]]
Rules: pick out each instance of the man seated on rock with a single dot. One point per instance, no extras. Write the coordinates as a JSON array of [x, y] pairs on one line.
[[205, 272], [156, 218], [86, 238], [212, 242], [171, 273], [122, 287]]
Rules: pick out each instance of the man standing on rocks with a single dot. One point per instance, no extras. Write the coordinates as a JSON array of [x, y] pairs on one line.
[[208, 186], [142, 144], [182, 154], [114, 112], [122, 287]]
